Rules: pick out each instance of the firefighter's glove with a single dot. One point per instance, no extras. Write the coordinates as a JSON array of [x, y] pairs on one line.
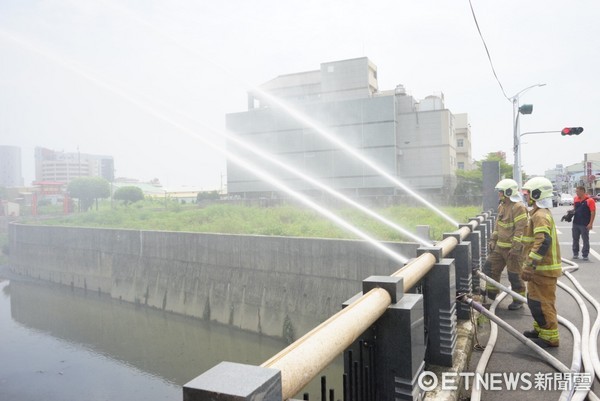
[[491, 246], [527, 273]]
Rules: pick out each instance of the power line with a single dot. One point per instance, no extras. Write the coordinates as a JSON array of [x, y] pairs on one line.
[[487, 51]]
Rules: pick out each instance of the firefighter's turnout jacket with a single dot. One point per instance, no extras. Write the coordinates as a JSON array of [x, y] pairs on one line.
[[506, 247], [542, 255], [510, 225]]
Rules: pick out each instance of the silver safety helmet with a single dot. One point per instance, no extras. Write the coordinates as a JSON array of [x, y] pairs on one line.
[[510, 189], [540, 191]]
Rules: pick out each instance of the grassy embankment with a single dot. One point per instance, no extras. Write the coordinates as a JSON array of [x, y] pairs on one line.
[[280, 220]]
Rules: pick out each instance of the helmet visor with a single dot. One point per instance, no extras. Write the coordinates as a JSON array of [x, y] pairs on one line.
[[545, 203]]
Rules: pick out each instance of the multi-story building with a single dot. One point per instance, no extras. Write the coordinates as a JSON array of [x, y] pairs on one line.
[[11, 175], [586, 174], [464, 157], [412, 141], [51, 165], [559, 178]]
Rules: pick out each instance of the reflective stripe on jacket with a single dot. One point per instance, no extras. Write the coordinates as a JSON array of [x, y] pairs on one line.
[[541, 223], [510, 225]]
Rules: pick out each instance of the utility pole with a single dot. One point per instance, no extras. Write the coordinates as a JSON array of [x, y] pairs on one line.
[[525, 109]]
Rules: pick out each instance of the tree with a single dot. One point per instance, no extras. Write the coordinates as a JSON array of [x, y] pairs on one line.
[[129, 194], [506, 170], [88, 190], [470, 183]]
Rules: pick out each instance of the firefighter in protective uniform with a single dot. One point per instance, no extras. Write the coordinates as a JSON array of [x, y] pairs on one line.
[[542, 264], [506, 246]]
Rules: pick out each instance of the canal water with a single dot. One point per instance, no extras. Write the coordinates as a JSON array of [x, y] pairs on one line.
[[58, 343]]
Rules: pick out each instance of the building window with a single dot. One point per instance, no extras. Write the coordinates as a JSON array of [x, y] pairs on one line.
[[460, 143], [461, 165]]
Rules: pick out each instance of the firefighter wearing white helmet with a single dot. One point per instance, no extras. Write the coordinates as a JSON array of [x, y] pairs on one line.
[[542, 264], [506, 246]]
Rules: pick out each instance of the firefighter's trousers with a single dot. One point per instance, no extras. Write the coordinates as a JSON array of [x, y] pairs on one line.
[[497, 260], [541, 298]]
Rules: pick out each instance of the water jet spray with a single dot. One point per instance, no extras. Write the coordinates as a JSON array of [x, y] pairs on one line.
[[234, 158]]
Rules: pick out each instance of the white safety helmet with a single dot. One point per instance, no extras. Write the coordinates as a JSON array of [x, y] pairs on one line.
[[510, 189], [540, 191]]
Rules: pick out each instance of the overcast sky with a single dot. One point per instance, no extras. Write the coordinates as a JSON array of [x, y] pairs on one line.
[[138, 80]]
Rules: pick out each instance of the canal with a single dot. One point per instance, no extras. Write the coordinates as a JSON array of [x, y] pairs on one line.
[[58, 343]]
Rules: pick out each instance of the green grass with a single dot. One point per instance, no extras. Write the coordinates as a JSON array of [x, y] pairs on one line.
[[281, 220]]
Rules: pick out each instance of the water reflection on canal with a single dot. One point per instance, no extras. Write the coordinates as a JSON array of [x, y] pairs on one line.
[[59, 344]]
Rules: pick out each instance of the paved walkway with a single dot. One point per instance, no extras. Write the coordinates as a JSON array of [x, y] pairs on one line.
[[512, 356]]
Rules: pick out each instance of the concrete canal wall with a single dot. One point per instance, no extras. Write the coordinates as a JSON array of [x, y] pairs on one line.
[[279, 286]]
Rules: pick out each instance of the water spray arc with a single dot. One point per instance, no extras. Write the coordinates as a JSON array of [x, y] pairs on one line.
[[352, 151], [304, 199], [298, 173], [287, 167], [269, 157], [293, 112], [234, 158], [326, 188]]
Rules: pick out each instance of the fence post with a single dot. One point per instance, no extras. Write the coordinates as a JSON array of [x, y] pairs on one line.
[[464, 278], [230, 381], [484, 234], [439, 294], [475, 240], [386, 361]]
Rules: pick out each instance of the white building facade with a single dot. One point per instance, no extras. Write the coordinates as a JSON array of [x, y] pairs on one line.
[[412, 141]]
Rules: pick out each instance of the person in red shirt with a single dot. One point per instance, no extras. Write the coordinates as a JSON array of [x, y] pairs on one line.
[[584, 212]]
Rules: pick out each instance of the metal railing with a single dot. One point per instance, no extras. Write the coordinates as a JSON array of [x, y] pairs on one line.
[[299, 363]]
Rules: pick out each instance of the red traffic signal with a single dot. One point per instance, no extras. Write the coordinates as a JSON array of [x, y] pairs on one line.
[[571, 131]]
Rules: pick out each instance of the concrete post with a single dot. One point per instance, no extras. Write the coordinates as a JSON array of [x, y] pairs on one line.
[[438, 253], [230, 381], [491, 176], [386, 361], [440, 312], [484, 234], [423, 232], [464, 278], [476, 264]]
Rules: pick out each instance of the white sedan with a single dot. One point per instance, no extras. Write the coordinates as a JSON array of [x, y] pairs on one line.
[[565, 199]]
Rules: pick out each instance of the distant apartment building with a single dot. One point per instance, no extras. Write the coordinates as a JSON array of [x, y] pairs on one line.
[[60, 166], [413, 141], [11, 175], [464, 157]]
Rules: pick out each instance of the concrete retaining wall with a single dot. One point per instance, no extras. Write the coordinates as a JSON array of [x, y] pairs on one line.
[[263, 284]]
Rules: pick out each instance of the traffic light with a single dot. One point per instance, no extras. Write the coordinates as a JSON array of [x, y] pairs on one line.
[[571, 131]]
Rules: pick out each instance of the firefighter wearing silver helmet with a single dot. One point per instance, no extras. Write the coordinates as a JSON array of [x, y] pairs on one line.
[[506, 246], [542, 264]]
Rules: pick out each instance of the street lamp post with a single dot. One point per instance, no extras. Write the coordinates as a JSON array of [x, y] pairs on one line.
[[525, 109]]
